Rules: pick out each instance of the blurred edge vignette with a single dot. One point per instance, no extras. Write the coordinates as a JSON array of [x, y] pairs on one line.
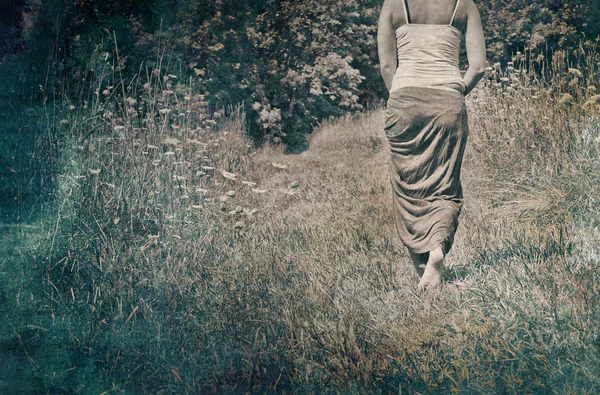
[[194, 198]]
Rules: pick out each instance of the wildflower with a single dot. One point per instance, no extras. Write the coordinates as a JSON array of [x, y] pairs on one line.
[[131, 101], [592, 100], [64, 121], [256, 106], [250, 212], [566, 98], [576, 72], [147, 86], [237, 210], [94, 172], [171, 141], [72, 107], [228, 175]]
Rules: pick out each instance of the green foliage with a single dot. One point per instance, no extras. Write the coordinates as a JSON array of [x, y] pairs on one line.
[[540, 25], [292, 63]]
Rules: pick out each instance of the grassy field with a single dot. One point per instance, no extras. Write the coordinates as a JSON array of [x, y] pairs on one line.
[[181, 259]]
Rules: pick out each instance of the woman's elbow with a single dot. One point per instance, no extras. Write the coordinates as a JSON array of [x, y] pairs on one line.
[[387, 68], [478, 69]]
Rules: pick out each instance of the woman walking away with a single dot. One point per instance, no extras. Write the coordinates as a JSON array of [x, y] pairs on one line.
[[426, 119]]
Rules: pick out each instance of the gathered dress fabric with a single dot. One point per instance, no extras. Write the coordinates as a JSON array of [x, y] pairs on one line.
[[426, 126]]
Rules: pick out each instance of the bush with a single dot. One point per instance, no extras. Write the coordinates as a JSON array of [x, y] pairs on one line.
[[292, 63]]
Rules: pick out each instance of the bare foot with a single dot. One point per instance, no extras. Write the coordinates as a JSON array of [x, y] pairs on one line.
[[432, 277]]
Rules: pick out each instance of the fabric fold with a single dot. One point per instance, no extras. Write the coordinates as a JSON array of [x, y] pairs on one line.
[[427, 129]]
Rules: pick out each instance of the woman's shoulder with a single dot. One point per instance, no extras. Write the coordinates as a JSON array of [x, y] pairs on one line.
[[466, 9]]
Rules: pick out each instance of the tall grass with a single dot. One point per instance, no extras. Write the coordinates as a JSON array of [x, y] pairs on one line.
[[184, 260]]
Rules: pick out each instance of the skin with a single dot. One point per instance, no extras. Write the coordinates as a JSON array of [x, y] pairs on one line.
[[467, 20], [429, 265]]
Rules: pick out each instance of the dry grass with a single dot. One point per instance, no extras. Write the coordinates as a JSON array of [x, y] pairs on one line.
[[305, 288]]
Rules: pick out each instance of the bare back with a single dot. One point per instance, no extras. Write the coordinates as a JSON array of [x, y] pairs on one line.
[[425, 14], [432, 12]]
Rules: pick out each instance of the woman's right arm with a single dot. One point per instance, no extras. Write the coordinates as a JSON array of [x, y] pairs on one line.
[[475, 45], [386, 45]]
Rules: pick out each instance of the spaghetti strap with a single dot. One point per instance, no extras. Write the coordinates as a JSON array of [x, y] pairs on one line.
[[405, 5], [454, 13]]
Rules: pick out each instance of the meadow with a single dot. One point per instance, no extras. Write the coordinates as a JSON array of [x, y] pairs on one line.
[[178, 257]]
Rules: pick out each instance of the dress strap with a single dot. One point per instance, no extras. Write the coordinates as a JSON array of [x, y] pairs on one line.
[[405, 5], [454, 13]]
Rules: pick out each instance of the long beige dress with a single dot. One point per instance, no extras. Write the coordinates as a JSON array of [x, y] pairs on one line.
[[426, 126]]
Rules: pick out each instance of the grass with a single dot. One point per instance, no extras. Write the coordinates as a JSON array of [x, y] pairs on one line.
[[181, 259]]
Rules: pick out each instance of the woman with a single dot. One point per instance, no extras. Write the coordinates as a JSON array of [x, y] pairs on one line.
[[426, 119]]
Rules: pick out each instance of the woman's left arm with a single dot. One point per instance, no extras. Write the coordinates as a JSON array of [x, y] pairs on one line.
[[386, 45]]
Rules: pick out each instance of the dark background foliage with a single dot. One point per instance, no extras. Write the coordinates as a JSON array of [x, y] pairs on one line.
[[292, 64]]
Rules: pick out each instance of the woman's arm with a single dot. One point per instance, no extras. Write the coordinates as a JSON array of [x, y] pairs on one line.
[[386, 45], [475, 44]]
